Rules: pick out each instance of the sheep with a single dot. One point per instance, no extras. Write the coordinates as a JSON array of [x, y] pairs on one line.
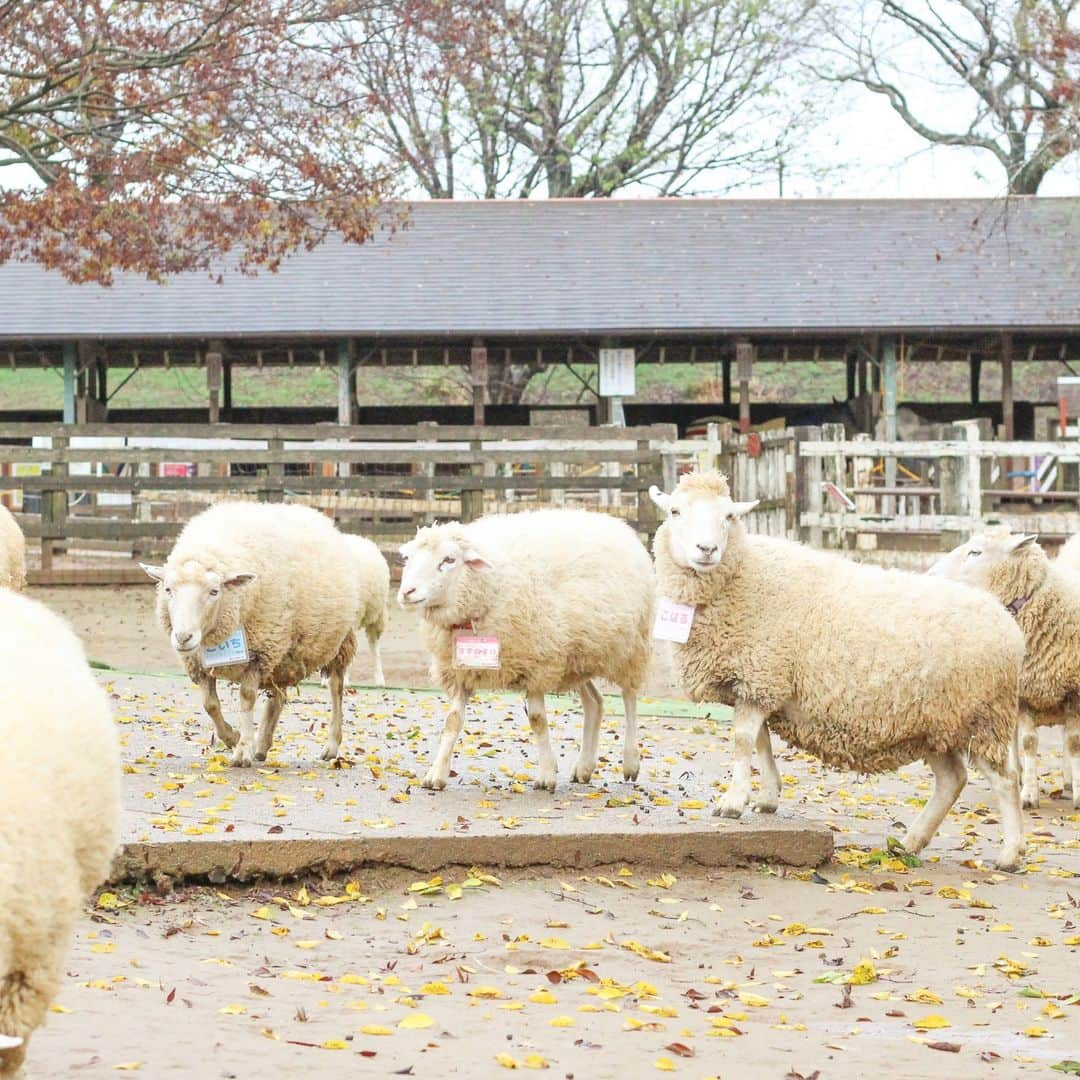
[[865, 668], [1069, 555], [59, 809], [373, 579], [1044, 597], [565, 595], [12, 552], [278, 581]]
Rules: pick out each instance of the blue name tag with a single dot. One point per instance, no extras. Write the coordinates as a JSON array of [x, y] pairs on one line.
[[233, 650]]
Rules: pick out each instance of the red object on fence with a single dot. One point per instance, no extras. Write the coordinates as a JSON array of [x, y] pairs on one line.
[[753, 444]]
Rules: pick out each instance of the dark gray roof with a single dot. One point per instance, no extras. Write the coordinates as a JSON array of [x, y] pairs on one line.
[[616, 266]]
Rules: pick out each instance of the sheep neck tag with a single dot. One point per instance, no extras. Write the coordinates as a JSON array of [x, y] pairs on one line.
[[673, 621], [233, 650], [475, 651]]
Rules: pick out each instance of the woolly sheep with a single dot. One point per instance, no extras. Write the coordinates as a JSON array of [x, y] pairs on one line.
[[12, 552], [1044, 597], [569, 596], [283, 575], [1069, 556], [867, 669], [59, 809], [373, 583]]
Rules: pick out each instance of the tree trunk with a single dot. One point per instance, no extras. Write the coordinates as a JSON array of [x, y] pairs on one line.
[[508, 381]]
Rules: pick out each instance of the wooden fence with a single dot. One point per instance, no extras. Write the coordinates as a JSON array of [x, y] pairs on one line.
[[98, 496]]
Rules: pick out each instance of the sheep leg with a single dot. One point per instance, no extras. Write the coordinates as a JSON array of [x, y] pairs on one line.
[[373, 637], [769, 796], [267, 725], [1029, 760], [545, 778], [1006, 787], [592, 709], [950, 776], [631, 758], [1071, 754], [439, 772], [212, 704], [748, 723], [25, 996], [244, 754], [337, 692]]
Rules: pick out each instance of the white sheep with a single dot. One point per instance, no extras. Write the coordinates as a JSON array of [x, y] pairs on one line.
[[59, 809], [1068, 557], [373, 581], [552, 600], [12, 552], [867, 669], [271, 591], [1044, 597]]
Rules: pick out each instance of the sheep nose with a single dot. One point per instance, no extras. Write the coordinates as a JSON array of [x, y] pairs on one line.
[[183, 639], [406, 593], [707, 549]]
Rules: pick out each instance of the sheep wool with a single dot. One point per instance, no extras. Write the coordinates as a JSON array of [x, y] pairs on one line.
[[868, 669], [1044, 597], [1068, 557], [569, 596], [12, 552], [373, 585], [59, 808], [285, 576]]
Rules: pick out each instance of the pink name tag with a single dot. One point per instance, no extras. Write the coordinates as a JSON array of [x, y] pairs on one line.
[[673, 621], [474, 651]]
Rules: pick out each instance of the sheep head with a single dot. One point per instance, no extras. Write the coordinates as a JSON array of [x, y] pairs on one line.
[[993, 559], [700, 515], [194, 599], [437, 562]]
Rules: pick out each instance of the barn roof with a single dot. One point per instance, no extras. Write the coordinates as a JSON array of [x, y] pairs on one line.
[[615, 266]]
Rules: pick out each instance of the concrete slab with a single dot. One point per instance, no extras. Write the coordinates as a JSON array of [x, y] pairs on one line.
[[188, 813]]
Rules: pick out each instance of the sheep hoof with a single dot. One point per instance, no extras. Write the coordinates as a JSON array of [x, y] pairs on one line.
[[766, 806], [433, 782], [260, 755], [630, 769], [542, 784], [330, 754], [728, 810], [242, 757], [581, 775], [1008, 861], [230, 737], [1029, 802]]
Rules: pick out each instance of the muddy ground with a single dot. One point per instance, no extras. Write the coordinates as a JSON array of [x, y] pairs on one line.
[[947, 968]]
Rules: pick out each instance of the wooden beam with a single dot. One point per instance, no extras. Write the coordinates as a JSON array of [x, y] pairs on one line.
[[226, 387], [215, 355], [975, 368], [71, 359], [744, 361], [725, 369], [1007, 412], [478, 372], [346, 355], [852, 371]]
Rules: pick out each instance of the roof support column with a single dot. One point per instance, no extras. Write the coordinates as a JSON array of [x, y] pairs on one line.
[[888, 379], [478, 374], [852, 371], [215, 355], [346, 356], [71, 358], [226, 388], [725, 374], [975, 369], [1007, 417], [744, 361]]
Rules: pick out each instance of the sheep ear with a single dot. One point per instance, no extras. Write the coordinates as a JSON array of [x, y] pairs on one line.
[[659, 498], [740, 509], [1018, 543], [474, 560], [10, 1042], [234, 581], [156, 572]]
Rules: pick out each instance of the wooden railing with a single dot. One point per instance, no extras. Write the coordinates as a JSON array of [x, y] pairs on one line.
[[103, 495]]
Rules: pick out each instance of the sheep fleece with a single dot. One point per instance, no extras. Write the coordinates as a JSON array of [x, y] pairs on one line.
[[59, 805], [373, 583], [300, 613], [882, 666], [570, 597], [12, 552]]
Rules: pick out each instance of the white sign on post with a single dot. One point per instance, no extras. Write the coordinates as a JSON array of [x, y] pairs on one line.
[[617, 372]]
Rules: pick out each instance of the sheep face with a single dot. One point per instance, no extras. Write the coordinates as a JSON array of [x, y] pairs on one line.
[[700, 515], [435, 563], [193, 596], [977, 562]]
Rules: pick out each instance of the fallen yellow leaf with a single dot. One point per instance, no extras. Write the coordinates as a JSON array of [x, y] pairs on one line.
[[414, 1021], [931, 1022], [376, 1029]]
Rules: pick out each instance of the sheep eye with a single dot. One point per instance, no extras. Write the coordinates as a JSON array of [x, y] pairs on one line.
[[971, 553], [731, 517], [448, 561], [214, 592], [673, 512], [168, 591]]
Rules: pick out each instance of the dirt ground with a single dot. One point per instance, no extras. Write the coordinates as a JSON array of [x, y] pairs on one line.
[[942, 969]]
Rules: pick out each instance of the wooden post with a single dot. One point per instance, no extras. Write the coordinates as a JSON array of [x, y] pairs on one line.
[[71, 361], [1007, 418], [975, 370], [808, 485], [478, 372], [834, 471], [54, 506], [214, 359], [708, 457], [744, 360], [852, 370], [863, 389], [275, 475], [226, 388], [725, 375], [952, 482], [862, 469], [346, 356], [888, 378]]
